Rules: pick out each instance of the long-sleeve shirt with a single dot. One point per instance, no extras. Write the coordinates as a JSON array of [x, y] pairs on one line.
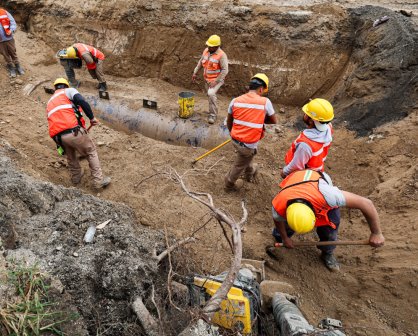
[[75, 96], [224, 66], [303, 152], [13, 26]]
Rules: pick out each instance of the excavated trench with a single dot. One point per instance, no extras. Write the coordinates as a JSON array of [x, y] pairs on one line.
[[369, 73]]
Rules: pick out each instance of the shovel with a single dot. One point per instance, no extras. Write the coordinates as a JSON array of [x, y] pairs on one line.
[[325, 243], [211, 151]]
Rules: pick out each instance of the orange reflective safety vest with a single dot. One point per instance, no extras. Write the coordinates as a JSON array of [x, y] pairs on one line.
[[211, 64], [61, 114], [5, 22], [303, 184], [319, 152], [249, 112], [95, 53]]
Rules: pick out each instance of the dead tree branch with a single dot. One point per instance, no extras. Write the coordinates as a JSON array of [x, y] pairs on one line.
[[150, 325], [170, 249], [214, 303]]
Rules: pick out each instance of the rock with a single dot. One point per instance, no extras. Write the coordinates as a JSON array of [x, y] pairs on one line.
[[282, 110], [59, 248], [100, 143], [75, 254]]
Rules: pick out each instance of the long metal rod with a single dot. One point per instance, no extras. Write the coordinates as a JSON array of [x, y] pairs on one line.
[[326, 243], [212, 150]]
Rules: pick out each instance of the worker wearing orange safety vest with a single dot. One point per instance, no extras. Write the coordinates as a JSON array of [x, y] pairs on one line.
[[307, 200], [247, 115], [67, 127], [71, 59], [7, 43], [215, 68], [310, 149]]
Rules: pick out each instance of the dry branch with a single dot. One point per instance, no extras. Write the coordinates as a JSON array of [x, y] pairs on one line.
[[149, 323]]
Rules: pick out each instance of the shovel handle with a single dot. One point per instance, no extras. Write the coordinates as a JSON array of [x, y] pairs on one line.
[[326, 243], [212, 150]]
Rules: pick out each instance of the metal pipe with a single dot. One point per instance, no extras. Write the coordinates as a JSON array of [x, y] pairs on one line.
[[176, 131]]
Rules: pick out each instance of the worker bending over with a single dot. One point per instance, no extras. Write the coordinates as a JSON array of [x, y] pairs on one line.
[[7, 43], [71, 58], [306, 201], [215, 68], [247, 115], [67, 128], [310, 149]]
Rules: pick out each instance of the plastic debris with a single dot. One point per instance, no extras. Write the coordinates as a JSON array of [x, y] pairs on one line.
[[380, 21], [88, 237], [101, 226]]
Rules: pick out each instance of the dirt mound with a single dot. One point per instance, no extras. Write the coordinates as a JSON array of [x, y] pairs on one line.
[[103, 277], [381, 80]]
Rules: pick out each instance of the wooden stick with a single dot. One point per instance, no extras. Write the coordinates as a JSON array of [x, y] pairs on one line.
[[326, 243], [212, 150]]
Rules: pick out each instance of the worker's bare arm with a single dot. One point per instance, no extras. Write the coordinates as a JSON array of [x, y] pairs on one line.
[[369, 211], [281, 227]]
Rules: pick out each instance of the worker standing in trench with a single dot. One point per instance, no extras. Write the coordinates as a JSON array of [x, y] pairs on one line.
[[71, 58], [215, 68], [7, 43], [310, 149], [247, 115], [67, 128], [306, 201]]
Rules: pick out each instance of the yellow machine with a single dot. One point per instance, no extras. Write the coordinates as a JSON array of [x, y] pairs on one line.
[[240, 311]]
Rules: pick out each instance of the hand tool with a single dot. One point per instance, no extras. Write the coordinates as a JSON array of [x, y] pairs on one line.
[[211, 151]]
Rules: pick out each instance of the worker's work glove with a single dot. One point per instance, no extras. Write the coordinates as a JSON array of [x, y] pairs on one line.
[[376, 239], [288, 243], [194, 78], [94, 122]]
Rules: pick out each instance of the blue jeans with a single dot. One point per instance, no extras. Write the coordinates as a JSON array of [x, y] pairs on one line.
[[325, 233]]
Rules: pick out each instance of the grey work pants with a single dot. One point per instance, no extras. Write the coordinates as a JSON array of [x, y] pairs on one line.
[[85, 146], [243, 163], [213, 100], [8, 50]]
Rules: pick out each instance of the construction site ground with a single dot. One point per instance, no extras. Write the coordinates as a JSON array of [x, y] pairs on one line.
[[376, 291]]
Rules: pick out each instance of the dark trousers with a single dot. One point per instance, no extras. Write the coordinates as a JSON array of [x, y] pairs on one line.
[[325, 233]]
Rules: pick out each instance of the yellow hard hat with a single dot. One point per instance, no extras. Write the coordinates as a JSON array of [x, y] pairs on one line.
[[319, 109], [213, 41], [264, 79], [61, 81], [67, 53], [300, 218]]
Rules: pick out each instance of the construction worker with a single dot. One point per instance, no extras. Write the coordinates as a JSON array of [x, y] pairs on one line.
[[215, 68], [67, 129], [305, 202], [247, 115], [7, 43], [71, 58], [310, 149]]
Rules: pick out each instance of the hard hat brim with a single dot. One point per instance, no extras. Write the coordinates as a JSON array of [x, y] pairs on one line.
[[211, 44]]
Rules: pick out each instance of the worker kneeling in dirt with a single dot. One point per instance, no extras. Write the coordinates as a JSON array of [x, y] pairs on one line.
[[310, 149], [67, 128], [308, 200], [247, 115], [71, 58], [215, 68]]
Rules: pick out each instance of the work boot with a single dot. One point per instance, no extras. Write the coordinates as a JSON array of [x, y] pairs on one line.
[[74, 83], [235, 187], [330, 261], [250, 177], [19, 69], [78, 181], [103, 183], [211, 119], [12, 70], [103, 86]]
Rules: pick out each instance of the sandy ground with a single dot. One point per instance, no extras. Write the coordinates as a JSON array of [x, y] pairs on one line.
[[376, 291]]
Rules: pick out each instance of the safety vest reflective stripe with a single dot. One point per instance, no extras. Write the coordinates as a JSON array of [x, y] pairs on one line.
[[251, 106], [213, 71], [321, 150], [59, 107], [249, 124], [307, 175], [4, 17], [83, 48]]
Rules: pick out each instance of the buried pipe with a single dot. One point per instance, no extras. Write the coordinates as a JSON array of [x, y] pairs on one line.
[[173, 130]]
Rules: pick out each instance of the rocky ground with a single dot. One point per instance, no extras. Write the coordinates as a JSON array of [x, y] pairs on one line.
[[376, 291]]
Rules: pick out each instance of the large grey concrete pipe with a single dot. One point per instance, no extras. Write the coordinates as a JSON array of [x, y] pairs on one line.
[[170, 129]]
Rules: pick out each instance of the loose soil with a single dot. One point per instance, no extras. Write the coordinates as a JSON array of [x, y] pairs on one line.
[[376, 291]]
